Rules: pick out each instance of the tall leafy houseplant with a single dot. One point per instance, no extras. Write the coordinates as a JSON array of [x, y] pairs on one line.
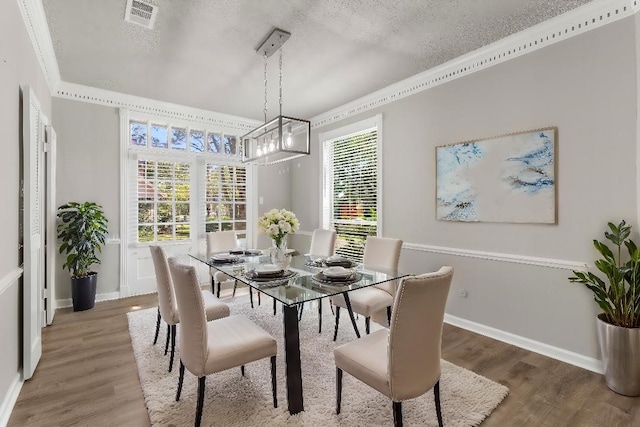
[[82, 231], [619, 299]]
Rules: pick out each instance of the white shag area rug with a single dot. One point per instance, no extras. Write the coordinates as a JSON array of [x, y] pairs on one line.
[[231, 400]]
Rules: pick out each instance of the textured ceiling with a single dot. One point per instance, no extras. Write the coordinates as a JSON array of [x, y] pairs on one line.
[[201, 53]]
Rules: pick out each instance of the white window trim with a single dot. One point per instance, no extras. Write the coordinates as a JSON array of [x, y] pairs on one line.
[[343, 132], [126, 151]]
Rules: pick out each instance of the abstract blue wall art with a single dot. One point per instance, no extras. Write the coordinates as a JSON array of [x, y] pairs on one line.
[[509, 178]]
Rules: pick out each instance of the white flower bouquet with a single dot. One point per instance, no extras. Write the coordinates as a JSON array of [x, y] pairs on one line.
[[277, 224]]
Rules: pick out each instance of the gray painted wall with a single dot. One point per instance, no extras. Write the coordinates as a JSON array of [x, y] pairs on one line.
[[587, 90], [586, 86], [89, 170], [18, 66], [274, 186]]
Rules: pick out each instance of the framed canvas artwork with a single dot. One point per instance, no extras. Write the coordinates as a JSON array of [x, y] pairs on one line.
[[509, 178]]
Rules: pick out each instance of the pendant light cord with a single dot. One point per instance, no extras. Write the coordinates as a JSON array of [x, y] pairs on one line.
[[265, 87], [281, 81]]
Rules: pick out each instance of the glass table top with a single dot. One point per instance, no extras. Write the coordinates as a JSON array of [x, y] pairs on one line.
[[304, 284]]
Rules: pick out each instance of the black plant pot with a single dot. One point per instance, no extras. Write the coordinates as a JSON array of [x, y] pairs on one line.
[[83, 291]]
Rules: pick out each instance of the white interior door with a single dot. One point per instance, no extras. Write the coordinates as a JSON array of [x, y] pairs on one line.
[[33, 280], [51, 218]]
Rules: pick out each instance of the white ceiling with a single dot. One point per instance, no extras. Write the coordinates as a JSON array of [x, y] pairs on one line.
[[201, 53]]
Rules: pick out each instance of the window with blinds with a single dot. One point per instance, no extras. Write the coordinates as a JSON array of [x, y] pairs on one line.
[[226, 198], [182, 182], [350, 194], [163, 196]]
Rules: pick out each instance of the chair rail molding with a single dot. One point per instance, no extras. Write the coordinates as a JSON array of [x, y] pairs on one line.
[[570, 357], [497, 256], [9, 279], [562, 27]]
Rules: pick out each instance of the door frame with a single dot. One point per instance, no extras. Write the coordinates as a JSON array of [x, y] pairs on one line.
[[33, 238], [50, 225]]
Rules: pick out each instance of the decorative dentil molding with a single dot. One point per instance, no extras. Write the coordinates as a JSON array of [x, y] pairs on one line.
[[224, 122], [35, 22], [562, 27]]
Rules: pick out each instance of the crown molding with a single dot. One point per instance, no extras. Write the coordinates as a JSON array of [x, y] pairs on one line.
[[562, 27], [225, 122], [35, 22], [577, 21]]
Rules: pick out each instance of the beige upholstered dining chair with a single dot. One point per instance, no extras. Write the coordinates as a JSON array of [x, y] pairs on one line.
[[323, 243], [207, 348], [217, 242], [402, 362], [167, 306], [220, 241], [380, 253]]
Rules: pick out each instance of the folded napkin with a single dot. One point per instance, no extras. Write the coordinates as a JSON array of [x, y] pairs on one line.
[[338, 261], [337, 272], [224, 258]]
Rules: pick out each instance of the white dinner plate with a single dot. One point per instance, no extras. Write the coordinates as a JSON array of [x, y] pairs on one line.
[[223, 257], [268, 270]]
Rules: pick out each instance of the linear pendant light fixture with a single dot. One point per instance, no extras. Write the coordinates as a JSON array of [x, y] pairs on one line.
[[283, 138]]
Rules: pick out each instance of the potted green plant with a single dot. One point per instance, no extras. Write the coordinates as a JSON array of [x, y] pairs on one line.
[[82, 231], [619, 299]]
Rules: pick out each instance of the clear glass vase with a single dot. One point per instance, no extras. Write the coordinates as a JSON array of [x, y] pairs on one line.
[[279, 255]]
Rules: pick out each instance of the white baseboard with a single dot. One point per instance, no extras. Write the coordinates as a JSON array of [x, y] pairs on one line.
[[570, 357], [64, 303], [9, 400]]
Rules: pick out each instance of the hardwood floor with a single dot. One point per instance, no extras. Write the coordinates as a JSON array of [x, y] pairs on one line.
[[88, 376]]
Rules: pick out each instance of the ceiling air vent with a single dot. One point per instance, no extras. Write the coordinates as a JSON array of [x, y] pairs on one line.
[[141, 13]]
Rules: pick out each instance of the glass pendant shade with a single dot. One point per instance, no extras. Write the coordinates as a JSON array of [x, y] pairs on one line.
[[281, 139]]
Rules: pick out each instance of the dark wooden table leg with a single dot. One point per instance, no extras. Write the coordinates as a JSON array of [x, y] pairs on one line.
[[292, 359], [353, 319]]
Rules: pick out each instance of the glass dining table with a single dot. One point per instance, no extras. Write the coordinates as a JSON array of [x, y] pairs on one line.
[[302, 284]]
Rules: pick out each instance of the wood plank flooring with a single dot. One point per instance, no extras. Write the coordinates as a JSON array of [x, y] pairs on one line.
[[88, 376]]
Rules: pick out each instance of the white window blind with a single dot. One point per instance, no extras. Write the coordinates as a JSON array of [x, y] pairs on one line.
[[225, 198], [162, 201], [350, 193]]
